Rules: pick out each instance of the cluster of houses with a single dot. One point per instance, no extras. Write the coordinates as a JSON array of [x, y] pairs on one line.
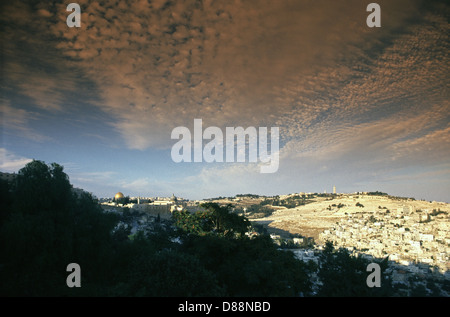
[[415, 241], [159, 206]]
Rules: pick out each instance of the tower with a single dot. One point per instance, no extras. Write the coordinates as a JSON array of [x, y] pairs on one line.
[[334, 189]]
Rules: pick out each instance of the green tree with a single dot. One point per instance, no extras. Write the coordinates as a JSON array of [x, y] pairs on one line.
[[250, 267], [345, 275], [190, 223], [6, 200], [223, 221], [50, 227], [41, 187], [169, 273], [214, 219]]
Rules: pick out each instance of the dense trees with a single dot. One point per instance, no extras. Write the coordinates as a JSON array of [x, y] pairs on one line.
[[377, 193], [251, 267], [47, 228], [341, 275], [242, 266], [213, 219], [6, 201]]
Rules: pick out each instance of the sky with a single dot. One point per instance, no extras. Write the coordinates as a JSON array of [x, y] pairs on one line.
[[359, 108]]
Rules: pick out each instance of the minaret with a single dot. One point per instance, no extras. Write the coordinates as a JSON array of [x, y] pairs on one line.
[[334, 189]]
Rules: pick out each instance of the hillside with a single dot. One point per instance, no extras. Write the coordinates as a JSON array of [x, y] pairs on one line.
[[324, 212]]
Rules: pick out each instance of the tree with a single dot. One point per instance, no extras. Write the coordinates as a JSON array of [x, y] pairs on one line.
[[122, 201], [50, 227], [189, 223], [40, 187], [223, 221], [250, 267], [345, 275], [169, 273], [6, 200], [214, 219]]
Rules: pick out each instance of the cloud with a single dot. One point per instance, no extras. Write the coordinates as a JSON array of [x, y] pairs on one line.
[[11, 162], [160, 65], [107, 183], [348, 99], [370, 150], [91, 177], [17, 121], [137, 184], [35, 76], [391, 110], [432, 148]]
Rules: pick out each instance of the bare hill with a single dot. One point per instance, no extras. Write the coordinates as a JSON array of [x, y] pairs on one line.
[[311, 219]]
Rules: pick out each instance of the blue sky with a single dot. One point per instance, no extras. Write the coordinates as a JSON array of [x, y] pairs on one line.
[[359, 108]]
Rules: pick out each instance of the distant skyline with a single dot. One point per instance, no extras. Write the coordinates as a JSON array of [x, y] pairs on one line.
[[359, 108]]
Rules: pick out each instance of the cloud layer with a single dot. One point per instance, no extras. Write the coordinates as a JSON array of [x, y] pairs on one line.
[[363, 102], [159, 64], [10, 162]]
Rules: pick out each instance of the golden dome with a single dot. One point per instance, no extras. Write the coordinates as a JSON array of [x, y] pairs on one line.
[[119, 195]]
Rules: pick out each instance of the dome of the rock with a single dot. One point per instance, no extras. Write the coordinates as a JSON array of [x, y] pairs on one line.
[[119, 195]]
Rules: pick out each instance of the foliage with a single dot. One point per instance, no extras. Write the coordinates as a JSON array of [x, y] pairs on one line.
[[50, 227], [151, 269], [6, 200], [214, 219], [342, 275], [377, 193], [247, 195], [190, 223], [438, 212], [260, 208], [250, 267], [122, 201]]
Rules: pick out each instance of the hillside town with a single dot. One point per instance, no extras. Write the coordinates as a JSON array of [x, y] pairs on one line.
[[406, 236], [413, 235]]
